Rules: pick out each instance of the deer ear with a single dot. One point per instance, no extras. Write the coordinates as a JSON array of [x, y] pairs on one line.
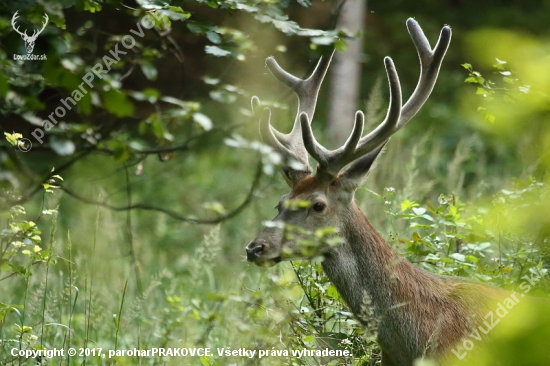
[[288, 175], [356, 174], [292, 176]]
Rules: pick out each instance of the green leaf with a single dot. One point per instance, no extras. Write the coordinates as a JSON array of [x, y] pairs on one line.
[[246, 8], [304, 3], [223, 96], [288, 27], [199, 28], [216, 51], [474, 79], [454, 211], [481, 91], [500, 64], [405, 205], [320, 233], [459, 257], [149, 70], [341, 45], [91, 6], [161, 16], [332, 291], [13, 138], [17, 269], [488, 117], [206, 360], [122, 152], [117, 103], [214, 37], [149, 94], [203, 120], [323, 41], [472, 259], [309, 338], [48, 186], [305, 32], [175, 13], [294, 205]]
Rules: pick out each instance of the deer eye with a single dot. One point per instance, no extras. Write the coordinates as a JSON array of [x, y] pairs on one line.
[[319, 206]]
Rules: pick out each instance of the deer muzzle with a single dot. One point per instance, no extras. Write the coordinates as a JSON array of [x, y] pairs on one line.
[[261, 253], [254, 250]]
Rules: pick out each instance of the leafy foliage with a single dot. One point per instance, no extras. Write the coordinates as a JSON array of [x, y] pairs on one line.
[[148, 134]]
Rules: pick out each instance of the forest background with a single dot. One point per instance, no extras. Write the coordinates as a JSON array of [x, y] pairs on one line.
[[124, 224]]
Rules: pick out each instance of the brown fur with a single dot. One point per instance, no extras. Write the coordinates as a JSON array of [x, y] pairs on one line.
[[305, 186], [420, 313]]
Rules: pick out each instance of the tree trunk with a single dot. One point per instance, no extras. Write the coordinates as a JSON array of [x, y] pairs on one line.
[[346, 74]]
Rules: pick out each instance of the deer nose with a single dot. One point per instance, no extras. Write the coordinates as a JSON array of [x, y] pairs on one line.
[[254, 250]]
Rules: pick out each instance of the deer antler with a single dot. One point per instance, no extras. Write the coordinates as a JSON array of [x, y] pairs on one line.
[[291, 146], [331, 162]]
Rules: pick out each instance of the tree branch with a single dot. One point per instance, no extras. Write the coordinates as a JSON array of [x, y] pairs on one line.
[[183, 146], [173, 214]]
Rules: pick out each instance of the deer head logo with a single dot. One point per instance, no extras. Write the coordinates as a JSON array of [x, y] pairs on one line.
[[29, 40]]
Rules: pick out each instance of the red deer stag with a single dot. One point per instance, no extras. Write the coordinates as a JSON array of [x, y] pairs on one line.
[[420, 314]]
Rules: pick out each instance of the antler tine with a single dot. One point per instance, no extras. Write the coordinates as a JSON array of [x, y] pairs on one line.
[[430, 62], [331, 162], [306, 90], [390, 123], [291, 145], [273, 138], [266, 131], [398, 115]]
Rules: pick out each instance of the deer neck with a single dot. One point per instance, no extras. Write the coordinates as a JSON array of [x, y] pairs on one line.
[[365, 264]]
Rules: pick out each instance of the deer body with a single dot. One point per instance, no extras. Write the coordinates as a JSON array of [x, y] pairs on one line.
[[420, 314]]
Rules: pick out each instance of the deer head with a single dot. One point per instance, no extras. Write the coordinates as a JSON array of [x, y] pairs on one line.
[[324, 198], [29, 40]]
